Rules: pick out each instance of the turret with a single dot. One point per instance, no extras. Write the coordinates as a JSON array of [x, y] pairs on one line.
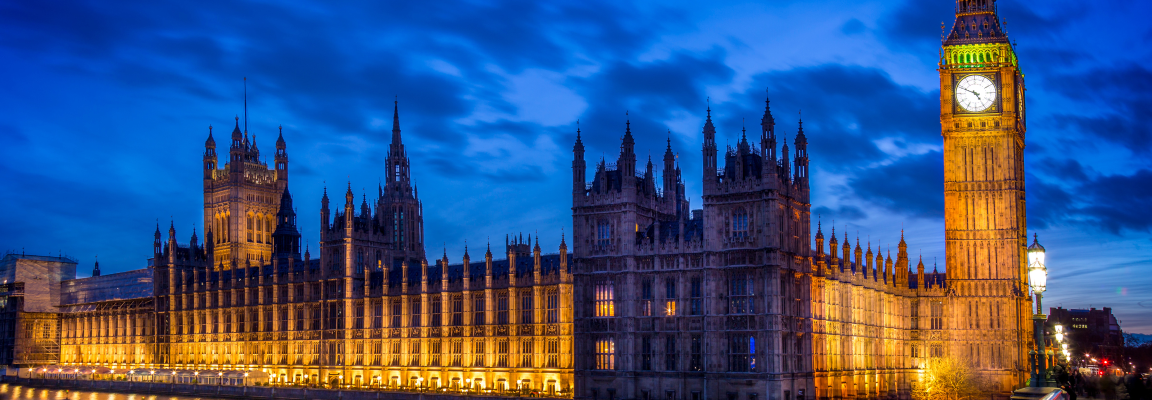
[[324, 214], [397, 160], [801, 178], [488, 265], [96, 268], [709, 150], [286, 239], [859, 254], [404, 276], [349, 207], [579, 168], [467, 267], [193, 242], [819, 242], [669, 174], [888, 271], [868, 267], [156, 244], [510, 249], [920, 274], [281, 157], [902, 262], [834, 261], [768, 136], [210, 159], [172, 243], [627, 162], [536, 264], [563, 259], [254, 151], [237, 150], [785, 167], [878, 271], [444, 270], [847, 249]]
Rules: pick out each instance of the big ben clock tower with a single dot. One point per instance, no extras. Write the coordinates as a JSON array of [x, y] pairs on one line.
[[982, 122]]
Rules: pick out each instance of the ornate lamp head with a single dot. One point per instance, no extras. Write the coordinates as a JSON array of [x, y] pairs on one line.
[[1037, 271]]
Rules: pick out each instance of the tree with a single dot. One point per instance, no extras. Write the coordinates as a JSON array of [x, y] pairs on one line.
[[948, 378]]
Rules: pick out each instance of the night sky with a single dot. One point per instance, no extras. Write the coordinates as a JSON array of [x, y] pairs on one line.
[[104, 108]]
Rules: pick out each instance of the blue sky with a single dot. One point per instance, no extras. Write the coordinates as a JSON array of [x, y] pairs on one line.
[[106, 105]]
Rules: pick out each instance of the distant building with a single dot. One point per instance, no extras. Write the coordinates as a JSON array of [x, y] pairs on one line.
[[1090, 331], [29, 324]]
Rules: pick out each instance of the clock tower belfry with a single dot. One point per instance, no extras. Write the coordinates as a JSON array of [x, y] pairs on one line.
[[983, 125]]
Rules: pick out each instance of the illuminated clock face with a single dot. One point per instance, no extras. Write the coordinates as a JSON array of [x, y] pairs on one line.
[[975, 93]]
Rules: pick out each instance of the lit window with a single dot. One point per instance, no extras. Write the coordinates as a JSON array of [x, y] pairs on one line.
[[478, 304], [606, 353], [670, 297], [526, 309], [552, 300], [502, 308], [646, 298], [937, 315], [605, 305], [552, 350]]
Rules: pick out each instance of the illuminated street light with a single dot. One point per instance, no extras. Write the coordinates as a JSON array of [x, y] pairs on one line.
[[1038, 282]]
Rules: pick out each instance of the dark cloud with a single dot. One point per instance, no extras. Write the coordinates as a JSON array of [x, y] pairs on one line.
[[1047, 203], [1066, 169], [650, 92], [912, 185], [913, 25], [1109, 203], [1127, 90], [843, 213], [846, 108], [852, 27]]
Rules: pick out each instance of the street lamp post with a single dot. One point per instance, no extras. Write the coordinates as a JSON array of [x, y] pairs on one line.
[[1038, 280]]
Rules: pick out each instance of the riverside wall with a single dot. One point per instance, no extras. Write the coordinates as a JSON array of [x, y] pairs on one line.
[[242, 392]]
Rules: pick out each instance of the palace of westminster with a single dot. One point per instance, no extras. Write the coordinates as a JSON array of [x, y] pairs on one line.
[[654, 300]]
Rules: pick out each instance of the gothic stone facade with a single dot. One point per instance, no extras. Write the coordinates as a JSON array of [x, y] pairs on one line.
[[369, 311], [982, 118], [730, 301]]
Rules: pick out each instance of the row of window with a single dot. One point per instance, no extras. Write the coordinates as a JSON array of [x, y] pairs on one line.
[[741, 297], [309, 317], [741, 353], [507, 353]]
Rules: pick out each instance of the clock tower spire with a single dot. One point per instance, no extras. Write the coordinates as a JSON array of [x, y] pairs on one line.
[[982, 124]]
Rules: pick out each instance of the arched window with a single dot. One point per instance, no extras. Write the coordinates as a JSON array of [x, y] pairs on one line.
[[605, 353], [250, 221], [605, 300], [603, 233], [740, 223], [259, 228], [270, 225]]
